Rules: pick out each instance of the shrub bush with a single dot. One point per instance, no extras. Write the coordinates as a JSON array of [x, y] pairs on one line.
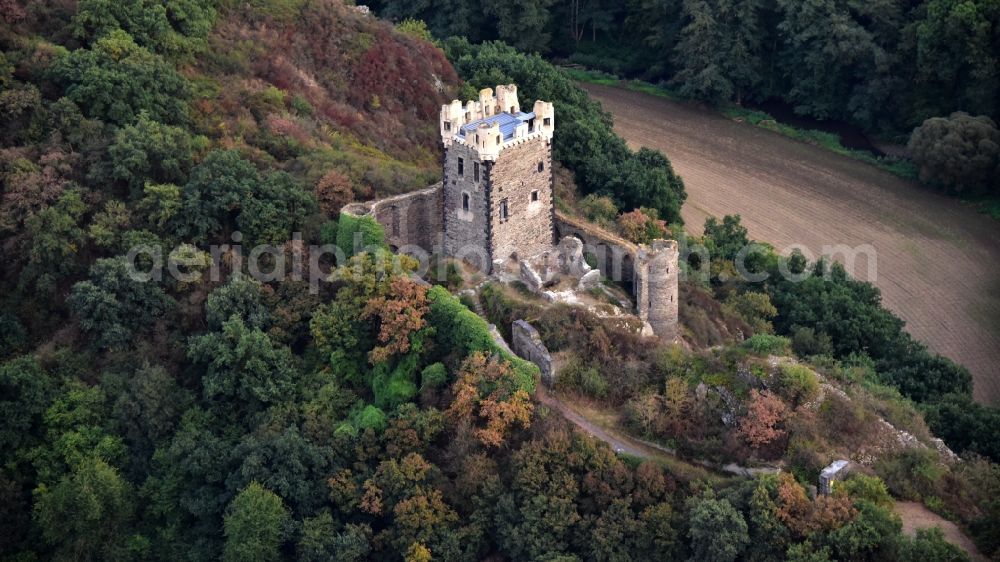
[[866, 488], [599, 209], [796, 384], [911, 474], [371, 418], [433, 376], [767, 344], [584, 378], [502, 310], [805, 342]]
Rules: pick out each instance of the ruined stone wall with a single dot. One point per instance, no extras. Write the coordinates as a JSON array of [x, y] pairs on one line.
[[527, 344], [615, 255], [466, 233], [649, 272], [410, 219], [516, 181]]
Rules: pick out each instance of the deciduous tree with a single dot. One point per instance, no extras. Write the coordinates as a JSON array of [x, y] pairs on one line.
[[717, 531], [486, 389], [117, 79], [242, 296], [115, 304], [150, 152], [333, 191], [86, 515], [959, 153], [255, 526], [243, 366], [765, 413], [277, 208]]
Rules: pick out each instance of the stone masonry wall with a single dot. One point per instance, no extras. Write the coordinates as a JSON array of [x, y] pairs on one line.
[[514, 177], [615, 255], [411, 219], [528, 345], [650, 272], [656, 297], [465, 232]]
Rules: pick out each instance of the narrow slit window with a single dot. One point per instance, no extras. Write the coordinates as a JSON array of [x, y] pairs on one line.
[[447, 125], [461, 167], [475, 171], [541, 166], [503, 210], [499, 140], [465, 201], [534, 196]]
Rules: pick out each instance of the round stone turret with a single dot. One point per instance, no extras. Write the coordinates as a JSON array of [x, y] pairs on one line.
[[656, 293]]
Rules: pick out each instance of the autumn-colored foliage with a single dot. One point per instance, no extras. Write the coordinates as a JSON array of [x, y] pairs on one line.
[[486, 388], [677, 404], [333, 191], [371, 500], [765, 413], [399, 314], [12, 11], [805, 517], [339, 61], [642, 226]]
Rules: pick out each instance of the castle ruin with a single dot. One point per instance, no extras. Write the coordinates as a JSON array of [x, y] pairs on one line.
[[495, 203]]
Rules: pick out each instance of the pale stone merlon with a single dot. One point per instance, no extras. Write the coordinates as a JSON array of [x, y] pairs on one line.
[[507, 98]]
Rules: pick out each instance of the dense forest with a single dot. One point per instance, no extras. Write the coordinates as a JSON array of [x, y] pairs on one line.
[[885, 65], [210, 414]]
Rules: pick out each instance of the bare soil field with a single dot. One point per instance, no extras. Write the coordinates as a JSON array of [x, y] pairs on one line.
[[937, 260]]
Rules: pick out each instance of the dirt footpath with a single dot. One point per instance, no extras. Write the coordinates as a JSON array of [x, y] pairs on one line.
[[937, 260], [915, 516]]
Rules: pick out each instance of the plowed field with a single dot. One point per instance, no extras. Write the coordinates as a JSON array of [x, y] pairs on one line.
[[937, 260]]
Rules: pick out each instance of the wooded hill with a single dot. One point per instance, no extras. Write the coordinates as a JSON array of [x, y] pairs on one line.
[[192, 419]]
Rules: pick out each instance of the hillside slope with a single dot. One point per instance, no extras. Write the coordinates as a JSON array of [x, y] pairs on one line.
[[231, 410], [934, 256]]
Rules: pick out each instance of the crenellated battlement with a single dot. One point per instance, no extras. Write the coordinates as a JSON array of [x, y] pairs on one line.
[[494, 122]]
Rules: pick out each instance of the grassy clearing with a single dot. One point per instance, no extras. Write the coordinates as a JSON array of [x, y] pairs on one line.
[[829, 141]]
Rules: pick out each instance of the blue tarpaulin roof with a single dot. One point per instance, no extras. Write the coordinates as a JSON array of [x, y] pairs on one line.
[[508, 123]]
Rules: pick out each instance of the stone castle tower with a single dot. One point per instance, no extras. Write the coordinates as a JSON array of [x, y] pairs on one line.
[[497, 190], [656, 292]]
